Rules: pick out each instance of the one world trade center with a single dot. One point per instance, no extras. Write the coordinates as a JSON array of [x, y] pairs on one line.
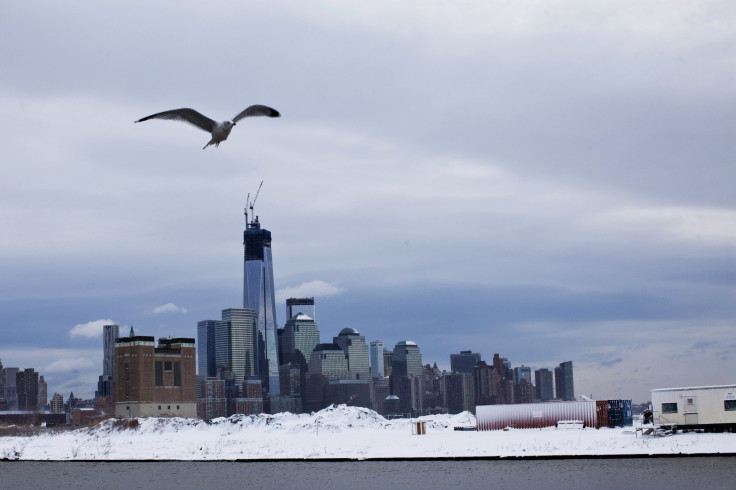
[[258, 295]]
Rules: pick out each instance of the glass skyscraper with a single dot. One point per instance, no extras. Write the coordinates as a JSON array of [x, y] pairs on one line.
[[258, 295], [564, 387], [235, 342], [377, 369], [353, 344], [407, 359], [464, 362], [301, 336], [406, 363], [110, 333], [206, 360], [105, 382]]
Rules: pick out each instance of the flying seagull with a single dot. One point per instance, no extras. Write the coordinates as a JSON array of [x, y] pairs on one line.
[[219, 130]]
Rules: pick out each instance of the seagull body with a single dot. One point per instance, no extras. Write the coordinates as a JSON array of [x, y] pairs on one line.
[[219, 130]]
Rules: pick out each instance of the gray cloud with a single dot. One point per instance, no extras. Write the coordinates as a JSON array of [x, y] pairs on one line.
[[548, 183]]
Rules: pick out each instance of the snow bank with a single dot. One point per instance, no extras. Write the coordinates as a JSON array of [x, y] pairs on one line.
[[339, 432]]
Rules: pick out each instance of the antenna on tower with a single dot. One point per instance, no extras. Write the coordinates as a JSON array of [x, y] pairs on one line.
[[250, 205]]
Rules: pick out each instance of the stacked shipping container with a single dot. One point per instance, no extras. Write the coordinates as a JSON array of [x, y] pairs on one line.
[[619, 413]]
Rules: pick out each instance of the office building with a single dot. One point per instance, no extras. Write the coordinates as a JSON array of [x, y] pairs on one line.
[[154, 381], [105, 381], [458, 391], [42, 393], [410, 390], [564, 387], [26, 385], [300, 337], [523, 387], [407, 360], [251, 401], [380, 392], [206, 354], [388, 358], [406, 371], [8, 391], [295, 306], [544, 385], [486, 382], [356, 350], [327, 362], [464, 362], [57, 403], [293, 383], [352, 392], [522, 373], [211, 402], [377, 366], [109, 334], [236, 347], [258, 295], [523, 391]]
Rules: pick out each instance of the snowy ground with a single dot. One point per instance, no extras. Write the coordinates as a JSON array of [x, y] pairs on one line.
[[341, 432]]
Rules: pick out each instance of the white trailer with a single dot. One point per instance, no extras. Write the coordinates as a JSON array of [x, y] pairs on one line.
[[712, 408]]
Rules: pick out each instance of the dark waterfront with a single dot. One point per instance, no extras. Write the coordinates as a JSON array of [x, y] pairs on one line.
[[699, 472]]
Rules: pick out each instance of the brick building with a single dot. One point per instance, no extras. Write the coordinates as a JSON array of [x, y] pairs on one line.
[[212, 402], [155, 381]]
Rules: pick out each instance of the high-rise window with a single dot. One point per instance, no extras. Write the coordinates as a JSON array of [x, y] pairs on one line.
[[159, 374], [177, 374]]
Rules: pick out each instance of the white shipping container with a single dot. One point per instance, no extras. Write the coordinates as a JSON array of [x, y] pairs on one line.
[[535, 415]]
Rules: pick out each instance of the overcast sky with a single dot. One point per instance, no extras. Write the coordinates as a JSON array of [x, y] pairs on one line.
[[549, 180]]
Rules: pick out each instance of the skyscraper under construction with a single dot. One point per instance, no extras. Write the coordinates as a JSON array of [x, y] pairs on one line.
[[258, 295]]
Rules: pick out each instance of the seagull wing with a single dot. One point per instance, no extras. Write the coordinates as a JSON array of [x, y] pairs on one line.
[[185, 115], [257, 110]]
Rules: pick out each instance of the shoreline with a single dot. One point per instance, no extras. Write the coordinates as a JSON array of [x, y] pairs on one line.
[[342, 434], [381, 459]]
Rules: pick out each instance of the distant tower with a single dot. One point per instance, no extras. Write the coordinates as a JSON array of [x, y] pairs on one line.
[[235, 343], [206, 360], [42, 393], [105, 382], [544, 386], [377, 369], [464, 362], [564, 382], [57, 403], [354, 346], [258, 295], [458, 392], [388, 359], [300, 337], [109, 334], [327, 362], [301, 305], [522, 373], [26, 383], [407, 360]]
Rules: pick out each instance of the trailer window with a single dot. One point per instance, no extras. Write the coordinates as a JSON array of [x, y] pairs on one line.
[[669, 408], [729, 404]]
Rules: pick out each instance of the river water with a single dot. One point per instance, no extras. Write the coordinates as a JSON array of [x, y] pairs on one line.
[[676, 473]]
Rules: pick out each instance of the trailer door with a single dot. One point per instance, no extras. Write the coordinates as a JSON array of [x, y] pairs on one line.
[[691, 409]]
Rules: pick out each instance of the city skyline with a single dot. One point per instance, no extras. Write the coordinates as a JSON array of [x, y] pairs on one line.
[[554, 182]]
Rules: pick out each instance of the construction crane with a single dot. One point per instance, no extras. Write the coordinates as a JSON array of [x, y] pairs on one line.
[[249, 204]]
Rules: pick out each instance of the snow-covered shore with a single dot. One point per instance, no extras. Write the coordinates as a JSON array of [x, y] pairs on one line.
[[341, 433]]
